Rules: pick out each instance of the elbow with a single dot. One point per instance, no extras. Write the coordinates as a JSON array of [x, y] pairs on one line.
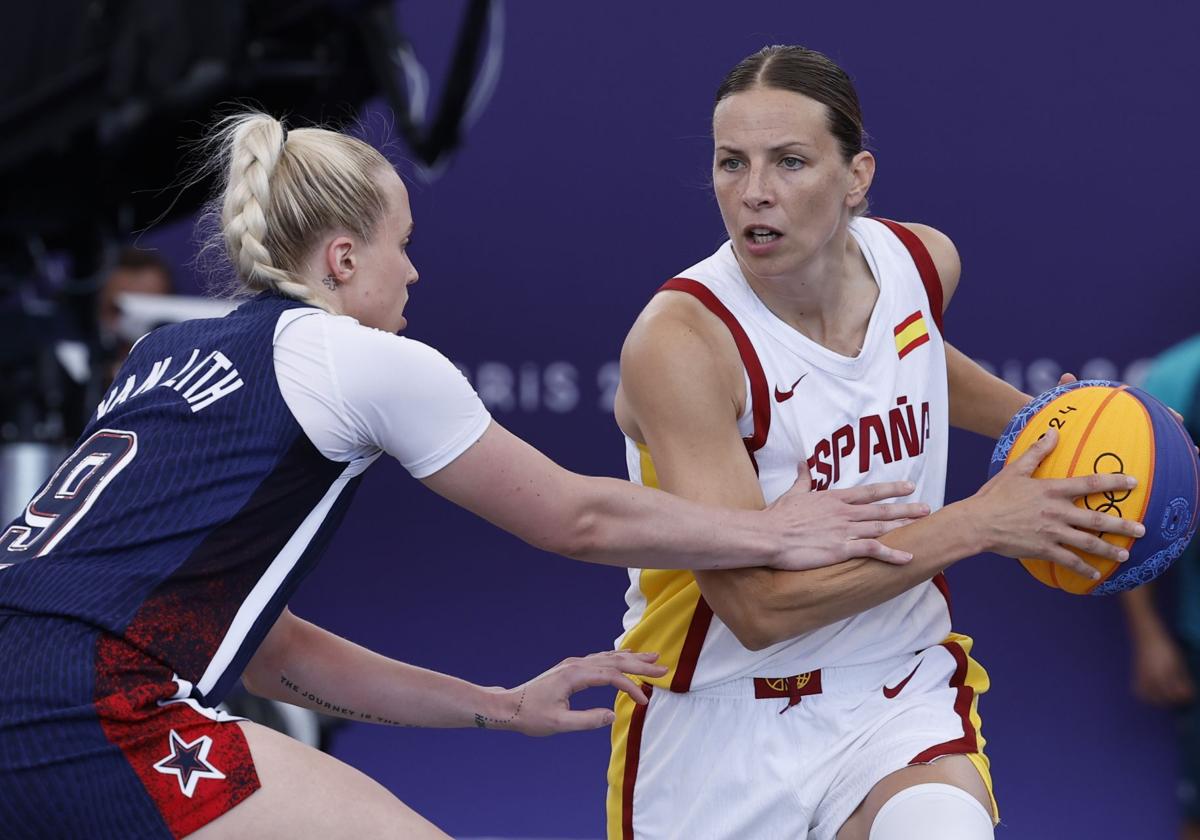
[[752, 638], [757, 631], [761, 627], [580, 534], [575, 538], [586, 535], [572, 522]]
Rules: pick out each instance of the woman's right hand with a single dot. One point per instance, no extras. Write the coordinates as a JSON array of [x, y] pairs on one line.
[[542, 706], [1017, 515], [826, 527]]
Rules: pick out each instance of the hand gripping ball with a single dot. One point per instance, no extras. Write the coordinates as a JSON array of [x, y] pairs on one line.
[[1105, 427]]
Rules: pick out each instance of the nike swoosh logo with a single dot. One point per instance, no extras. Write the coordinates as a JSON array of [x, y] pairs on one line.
[[890, 693], [784, 396]]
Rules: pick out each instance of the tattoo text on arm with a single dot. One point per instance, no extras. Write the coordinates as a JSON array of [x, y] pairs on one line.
[[330, 708]]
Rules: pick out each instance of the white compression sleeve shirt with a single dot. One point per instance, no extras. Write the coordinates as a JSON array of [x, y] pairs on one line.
[[356, 391]]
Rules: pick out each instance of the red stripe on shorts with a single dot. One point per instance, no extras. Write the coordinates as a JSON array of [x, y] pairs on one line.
[[633, 747], [969, 742]]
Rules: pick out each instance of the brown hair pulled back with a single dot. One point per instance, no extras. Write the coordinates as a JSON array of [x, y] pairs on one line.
[[809, 73]]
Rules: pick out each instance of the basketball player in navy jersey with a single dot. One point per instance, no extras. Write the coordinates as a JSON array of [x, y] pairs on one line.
[[153, 569], [834, 702]]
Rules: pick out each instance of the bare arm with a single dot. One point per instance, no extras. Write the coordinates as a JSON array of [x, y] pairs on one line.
[[614, 522], [763, 608], [302, 664], [979, 402], [1014, 515]]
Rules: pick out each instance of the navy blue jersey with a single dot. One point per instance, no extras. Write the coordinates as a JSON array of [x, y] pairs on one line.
[[190, 509]]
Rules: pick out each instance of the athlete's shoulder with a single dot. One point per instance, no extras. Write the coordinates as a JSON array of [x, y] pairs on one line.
[[682, 310], [678, 352], [345, 337], [676, 324], [944, 254], [363, 366]]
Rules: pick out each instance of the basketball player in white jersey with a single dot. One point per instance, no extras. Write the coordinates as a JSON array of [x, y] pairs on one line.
[[834, 702]]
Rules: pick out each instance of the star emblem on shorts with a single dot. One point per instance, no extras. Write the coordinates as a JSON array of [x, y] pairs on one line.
[[188, 762]]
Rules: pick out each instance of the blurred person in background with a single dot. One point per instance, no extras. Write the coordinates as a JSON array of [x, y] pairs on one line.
[[136, 271], [1166, 647]]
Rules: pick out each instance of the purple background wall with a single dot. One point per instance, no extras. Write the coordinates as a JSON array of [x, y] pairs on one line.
[[1051, 141]]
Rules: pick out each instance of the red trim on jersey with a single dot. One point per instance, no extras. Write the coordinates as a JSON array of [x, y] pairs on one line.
[[633, 747], [925, 267], [969, 742], [685, 668], [760, 395], [760, 398], [943, 586]]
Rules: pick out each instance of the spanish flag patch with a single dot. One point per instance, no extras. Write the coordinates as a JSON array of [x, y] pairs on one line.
[[911, 333]]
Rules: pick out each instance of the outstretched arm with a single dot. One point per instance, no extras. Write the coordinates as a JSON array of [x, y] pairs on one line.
[[305, 665], [604, 520]]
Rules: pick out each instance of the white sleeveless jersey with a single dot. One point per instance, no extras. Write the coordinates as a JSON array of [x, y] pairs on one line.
[[881, 416]]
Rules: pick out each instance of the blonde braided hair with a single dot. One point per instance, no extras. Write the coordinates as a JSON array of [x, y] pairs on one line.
[[284, 190]]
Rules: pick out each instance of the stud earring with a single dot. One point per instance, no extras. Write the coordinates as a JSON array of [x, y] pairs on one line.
[[331, 282]]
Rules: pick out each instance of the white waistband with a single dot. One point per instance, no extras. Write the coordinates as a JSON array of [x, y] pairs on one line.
[[837, 680]]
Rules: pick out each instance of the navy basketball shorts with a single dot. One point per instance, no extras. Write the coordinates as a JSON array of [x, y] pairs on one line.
[[99, 740]]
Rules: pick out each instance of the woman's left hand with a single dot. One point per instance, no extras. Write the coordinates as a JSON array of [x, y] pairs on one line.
[[542, 706]]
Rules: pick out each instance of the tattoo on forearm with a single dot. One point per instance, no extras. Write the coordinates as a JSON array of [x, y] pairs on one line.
[[333, 708], [483, 722]]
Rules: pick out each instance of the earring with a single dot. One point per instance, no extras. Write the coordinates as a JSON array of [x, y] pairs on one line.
[[331, 282]]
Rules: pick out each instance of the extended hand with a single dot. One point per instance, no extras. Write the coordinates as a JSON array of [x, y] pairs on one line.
[[542, 706], [1018, 515], [831, 526]]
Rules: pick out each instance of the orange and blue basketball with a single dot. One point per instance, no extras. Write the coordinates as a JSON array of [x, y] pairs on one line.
[[1105, 427]]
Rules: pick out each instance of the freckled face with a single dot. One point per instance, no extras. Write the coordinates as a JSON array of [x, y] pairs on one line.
[[378, 292], [780, 178]]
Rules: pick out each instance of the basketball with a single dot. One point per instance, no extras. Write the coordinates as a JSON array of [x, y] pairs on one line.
[[1106, 427]]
